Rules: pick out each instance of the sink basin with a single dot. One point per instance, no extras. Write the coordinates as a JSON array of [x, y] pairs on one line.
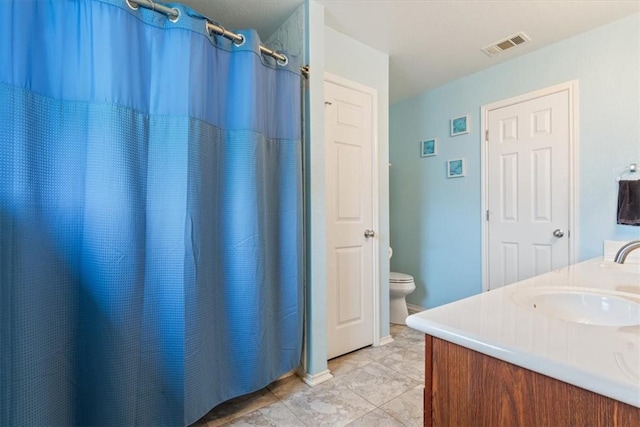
[[582, 305]]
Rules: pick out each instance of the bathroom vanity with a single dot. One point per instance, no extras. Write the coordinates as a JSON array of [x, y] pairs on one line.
[[558, 349]]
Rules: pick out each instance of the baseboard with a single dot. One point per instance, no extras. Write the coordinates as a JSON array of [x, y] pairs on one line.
[[315, 379], [385, 340], [413, 309]]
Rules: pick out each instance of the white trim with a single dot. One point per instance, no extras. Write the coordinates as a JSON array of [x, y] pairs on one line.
[[413, 309], [375, 192], [574, 175], [384, 341], [572, 88], [314, 380]]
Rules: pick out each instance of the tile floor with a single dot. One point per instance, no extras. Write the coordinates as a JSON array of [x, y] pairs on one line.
[[375, 386]]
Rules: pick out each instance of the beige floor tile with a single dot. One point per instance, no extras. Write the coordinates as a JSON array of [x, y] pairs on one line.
[[376, 383], [237, 407], [407, 407], [328, 404], [409, 337], [376, 418], [345, 364], [396, 329], [273, 415], [288, 386], [408, 361]]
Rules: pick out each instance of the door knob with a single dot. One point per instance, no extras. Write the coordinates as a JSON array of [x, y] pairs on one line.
[[369, 233], [558, 233]]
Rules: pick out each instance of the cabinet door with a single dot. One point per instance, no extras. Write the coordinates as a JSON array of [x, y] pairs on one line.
[[464, 387]]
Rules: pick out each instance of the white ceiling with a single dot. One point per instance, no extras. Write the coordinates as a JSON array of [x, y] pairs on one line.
[[431, 42]]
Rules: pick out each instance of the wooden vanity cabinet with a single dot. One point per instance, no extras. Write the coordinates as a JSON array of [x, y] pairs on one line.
[[466, 388]]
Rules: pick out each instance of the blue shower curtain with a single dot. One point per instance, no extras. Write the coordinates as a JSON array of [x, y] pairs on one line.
[[150, 215]]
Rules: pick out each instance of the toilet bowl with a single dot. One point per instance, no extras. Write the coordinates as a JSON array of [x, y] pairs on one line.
[[400, 285]]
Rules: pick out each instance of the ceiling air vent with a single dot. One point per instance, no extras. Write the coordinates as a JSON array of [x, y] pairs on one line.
[[512, 41]]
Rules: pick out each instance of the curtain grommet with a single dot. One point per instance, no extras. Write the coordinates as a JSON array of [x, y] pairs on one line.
[[242, 41], [283, 63], [132, 6], [177, 11]]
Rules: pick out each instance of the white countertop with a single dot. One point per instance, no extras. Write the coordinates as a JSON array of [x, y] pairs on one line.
[[603, 359]]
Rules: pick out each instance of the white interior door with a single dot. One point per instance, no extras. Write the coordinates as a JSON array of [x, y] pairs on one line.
[[349, 212], [528, 188]]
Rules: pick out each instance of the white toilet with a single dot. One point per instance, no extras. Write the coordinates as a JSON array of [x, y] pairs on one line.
[[400, 285]]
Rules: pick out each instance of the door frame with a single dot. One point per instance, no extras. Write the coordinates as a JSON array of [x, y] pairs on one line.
[[572, 88], [375, 190]]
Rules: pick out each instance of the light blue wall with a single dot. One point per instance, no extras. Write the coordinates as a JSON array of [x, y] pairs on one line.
[[315, 363], [436, 222], [302, 34], [290, 37]]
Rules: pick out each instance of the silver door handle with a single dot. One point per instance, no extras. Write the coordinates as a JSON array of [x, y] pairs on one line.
[[369, 233], [558, 233]]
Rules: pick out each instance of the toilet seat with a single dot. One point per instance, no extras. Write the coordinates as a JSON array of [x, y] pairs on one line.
[[401, 282], [399, 277]]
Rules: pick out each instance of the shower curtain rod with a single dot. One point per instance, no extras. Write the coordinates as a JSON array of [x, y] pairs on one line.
[[173, 14]]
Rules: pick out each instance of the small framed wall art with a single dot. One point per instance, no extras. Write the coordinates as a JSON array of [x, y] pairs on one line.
[[456, 168], [429, 147], [460, 125]]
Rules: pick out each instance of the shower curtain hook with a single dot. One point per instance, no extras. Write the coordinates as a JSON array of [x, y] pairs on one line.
[[223, 29]]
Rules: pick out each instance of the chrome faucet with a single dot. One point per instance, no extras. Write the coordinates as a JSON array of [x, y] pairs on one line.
[[625, 250]]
